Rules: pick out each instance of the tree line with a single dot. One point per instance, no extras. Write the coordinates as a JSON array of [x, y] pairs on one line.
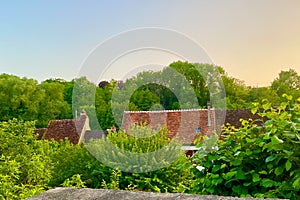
[[181, 85]]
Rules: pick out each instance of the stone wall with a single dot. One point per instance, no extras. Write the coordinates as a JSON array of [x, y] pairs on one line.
[[101, 194]]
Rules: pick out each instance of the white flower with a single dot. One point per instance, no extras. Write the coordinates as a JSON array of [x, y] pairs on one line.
[[200, 168], [215, 148]]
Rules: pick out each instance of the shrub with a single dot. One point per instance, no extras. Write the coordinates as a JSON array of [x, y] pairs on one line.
[[144, 171], [25, 169], [259, 161]]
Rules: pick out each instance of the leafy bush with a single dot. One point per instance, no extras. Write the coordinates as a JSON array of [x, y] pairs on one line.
[[259, 161], [140, 176], [75, 182], [70, 160], [25, 169]]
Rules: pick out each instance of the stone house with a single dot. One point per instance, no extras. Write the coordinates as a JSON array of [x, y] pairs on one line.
[[187, 125], [76, 130]]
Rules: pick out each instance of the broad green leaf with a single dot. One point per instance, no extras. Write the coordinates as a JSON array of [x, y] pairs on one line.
[[214, 175], [270, 158], [289, 97], [255, 178], [212, 157], [270, 166], [223, 166], [267, 182], [269, 122], [210, 190], [283, 123], [276, 140], [229, 175], [216, 168], [296, 183], [240, 175], [279, 170], [247, 184], [236, 162], [254, 110], [266, 106], [263, 172], [288, 165]]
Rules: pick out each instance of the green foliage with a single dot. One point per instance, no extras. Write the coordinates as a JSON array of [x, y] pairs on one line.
[[288, 82], [114, 180], [74, 182], [26, 99], [236, 92], [144, 141], [52, 105], [25, 168], [103, 105], [261, 161], [258, 161], [181, 85], [139, 150]]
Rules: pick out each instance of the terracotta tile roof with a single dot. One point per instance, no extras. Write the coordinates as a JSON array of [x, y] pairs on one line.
[[183, 123], [73, 129], [61, 129], [180, 123]]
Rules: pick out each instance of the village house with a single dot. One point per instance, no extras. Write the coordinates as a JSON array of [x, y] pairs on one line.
[[187, 125], [76, 130]]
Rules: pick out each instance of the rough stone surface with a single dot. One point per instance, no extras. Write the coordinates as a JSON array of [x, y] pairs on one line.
[[101, 194]]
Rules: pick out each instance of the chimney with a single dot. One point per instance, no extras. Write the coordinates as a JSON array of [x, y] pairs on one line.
[[83, 112], [208, 114]]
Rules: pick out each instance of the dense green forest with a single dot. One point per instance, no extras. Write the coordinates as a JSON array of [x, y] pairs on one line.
[[179, 85], [257, 161]]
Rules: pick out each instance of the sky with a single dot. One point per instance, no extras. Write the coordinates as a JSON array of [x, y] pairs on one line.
[[253, 40]]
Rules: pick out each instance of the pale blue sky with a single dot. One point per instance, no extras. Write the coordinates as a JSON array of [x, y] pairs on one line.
[[252, 39]]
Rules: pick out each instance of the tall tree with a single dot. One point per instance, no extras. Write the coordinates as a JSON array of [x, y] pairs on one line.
[[287, 82], [19, 98], [52, 105]]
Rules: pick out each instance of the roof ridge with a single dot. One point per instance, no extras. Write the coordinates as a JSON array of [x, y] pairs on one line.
[[162, 111]]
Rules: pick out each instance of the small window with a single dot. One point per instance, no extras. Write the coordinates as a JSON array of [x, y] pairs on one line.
[[198, 130]]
